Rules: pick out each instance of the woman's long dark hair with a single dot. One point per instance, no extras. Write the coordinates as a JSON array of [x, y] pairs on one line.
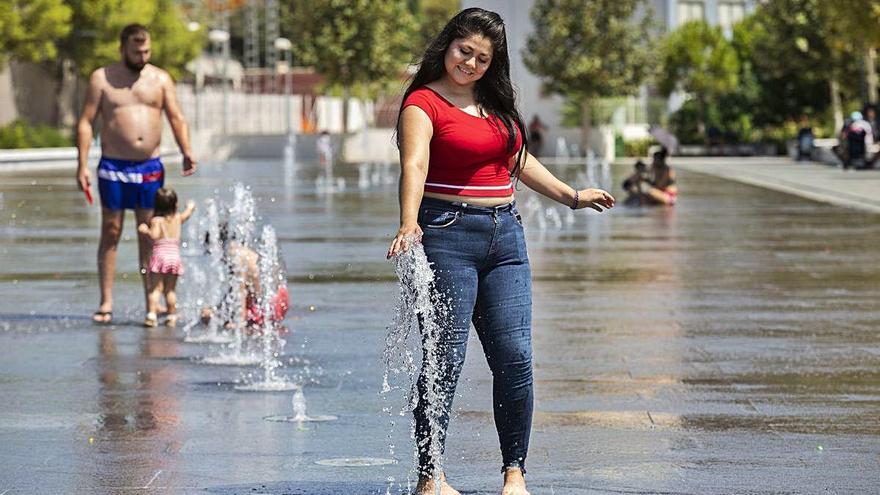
[[493, 92]]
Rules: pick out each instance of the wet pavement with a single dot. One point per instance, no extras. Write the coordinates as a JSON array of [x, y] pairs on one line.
[[858, 189], [727, 345]]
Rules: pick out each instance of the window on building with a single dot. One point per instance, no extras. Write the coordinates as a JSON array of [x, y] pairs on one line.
[[690, 10], [730, 12]]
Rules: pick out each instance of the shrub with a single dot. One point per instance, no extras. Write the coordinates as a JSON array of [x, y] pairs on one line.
[[638, 147], [20, 134]]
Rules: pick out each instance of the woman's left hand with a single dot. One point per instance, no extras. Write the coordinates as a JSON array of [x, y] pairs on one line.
[[595, 199]]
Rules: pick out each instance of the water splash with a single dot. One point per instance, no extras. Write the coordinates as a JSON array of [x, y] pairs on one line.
[[375, 175], [288, 159], [326, 183], [299, 405], [363, 175], [288, 155], [298, 401], [552, 214], [236, 251], [226, 235], [417, 319], [208, 276], [242, 215], [271, 278], [561, 147]]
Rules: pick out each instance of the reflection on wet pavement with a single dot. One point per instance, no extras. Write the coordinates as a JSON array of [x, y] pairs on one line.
[[728, 345]]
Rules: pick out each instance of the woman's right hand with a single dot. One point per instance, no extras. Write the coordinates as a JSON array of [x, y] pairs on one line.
[[402, 241]]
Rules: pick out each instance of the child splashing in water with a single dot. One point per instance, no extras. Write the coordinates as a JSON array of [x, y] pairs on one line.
[[165, 264]]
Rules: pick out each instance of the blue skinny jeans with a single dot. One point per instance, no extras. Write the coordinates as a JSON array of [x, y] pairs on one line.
[[482, 275]]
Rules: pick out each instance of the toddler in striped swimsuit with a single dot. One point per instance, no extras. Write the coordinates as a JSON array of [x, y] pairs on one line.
[[165, 265]]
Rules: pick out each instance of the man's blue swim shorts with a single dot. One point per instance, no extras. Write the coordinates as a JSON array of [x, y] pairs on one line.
[[129, 184]]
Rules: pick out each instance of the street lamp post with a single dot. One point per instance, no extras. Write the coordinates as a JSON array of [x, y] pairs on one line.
[[284, 46]]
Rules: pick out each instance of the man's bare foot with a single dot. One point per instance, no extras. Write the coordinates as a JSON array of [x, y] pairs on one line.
[[514, 482], [426, 486], [103, 315]]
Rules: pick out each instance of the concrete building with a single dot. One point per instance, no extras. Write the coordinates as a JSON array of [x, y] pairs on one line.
[[533, 101]]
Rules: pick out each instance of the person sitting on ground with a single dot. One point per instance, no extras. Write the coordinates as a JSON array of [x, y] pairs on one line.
[[841, 149], [165, 264], [242, 263], [663, 190], [860, 140], [637, 184], [655, 187], [805, 140]]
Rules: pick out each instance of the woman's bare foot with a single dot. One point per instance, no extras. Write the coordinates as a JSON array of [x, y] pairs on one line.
[[171, 320], [514, 482], [426, 486]]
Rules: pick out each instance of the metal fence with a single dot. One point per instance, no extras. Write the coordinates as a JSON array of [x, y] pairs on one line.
[[236, 112]]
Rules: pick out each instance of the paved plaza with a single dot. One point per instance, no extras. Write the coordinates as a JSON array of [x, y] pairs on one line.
[[728, 345], [857, 189]]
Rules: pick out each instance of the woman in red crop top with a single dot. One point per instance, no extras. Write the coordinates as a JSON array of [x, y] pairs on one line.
[[462, 144]]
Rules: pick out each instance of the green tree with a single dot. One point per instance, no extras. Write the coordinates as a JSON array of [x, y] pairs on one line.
[[94, 42], [29, 29], [588, 49], [359, 46], [433, 16], [698, 60], [804, 55], [858, 16]]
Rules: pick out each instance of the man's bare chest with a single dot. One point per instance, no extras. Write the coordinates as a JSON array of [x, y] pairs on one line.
[[139, 94]]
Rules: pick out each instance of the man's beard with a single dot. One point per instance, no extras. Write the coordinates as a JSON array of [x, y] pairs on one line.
[[133, 66]]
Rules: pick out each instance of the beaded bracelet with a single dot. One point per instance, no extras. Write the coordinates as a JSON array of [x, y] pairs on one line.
[[577, 200]]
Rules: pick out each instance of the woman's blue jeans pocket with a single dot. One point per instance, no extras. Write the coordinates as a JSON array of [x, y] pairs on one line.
[[433, 218]]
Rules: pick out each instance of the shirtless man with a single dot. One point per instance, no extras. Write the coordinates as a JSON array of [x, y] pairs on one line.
[[130, 96]]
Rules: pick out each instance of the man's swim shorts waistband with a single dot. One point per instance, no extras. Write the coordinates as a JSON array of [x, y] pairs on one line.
[[130, 171]]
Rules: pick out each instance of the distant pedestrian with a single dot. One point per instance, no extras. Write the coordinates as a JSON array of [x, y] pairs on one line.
[[870, 114], [324, 147], [637, 184], [536, 136]]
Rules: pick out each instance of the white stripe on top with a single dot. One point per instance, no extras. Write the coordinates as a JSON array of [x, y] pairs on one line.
[[116, 176]]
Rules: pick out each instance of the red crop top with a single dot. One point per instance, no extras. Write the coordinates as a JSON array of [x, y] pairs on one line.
[[468, 154]]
